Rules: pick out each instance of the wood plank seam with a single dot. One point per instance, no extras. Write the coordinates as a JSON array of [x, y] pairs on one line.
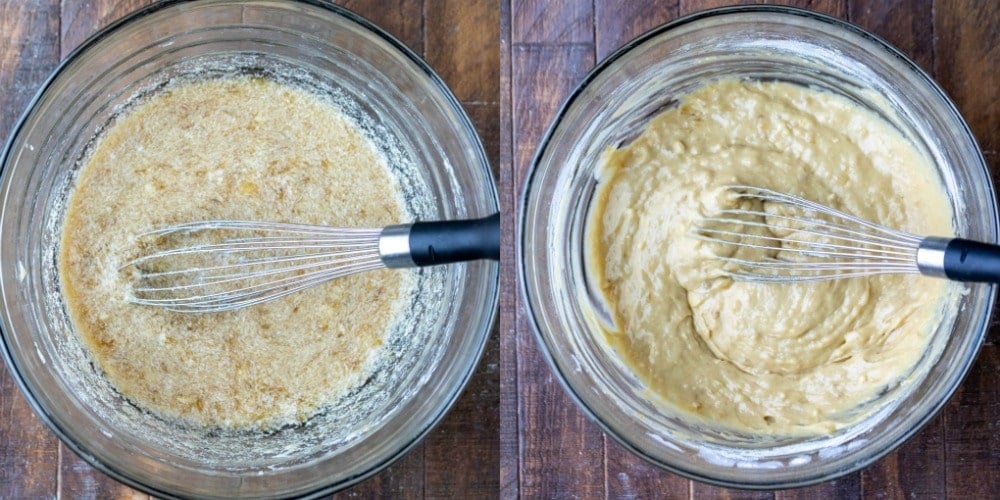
[[510, 436], [59, 462], [934, 39], [525, 45]]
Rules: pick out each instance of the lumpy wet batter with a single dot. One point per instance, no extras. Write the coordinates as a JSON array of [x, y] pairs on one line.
[[775, 359], [236, 148]]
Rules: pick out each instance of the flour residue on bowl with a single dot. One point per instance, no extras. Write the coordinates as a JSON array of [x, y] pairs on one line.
[[232, 148]]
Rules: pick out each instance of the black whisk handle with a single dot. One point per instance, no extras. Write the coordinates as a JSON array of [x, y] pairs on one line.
[[967, 260], [444, 242]]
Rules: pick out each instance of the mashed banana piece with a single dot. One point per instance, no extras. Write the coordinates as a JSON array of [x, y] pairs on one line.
[[773, 359], [236, 148]]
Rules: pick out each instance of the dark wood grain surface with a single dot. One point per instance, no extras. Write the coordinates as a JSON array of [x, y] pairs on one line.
[[515, 433], [460, 39], [556, 451]]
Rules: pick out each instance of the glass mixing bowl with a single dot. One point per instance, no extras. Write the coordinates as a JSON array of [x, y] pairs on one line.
[[399, 102], [612, 105]]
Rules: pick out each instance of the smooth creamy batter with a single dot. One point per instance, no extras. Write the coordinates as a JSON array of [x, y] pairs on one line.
[[775, 359], [235, 148]]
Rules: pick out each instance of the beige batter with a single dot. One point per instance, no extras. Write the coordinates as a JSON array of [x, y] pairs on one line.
[[774, 359], [230, 149]]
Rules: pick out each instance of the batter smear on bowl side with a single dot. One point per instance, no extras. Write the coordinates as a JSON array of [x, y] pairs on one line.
[[762, 358], [232, 148]]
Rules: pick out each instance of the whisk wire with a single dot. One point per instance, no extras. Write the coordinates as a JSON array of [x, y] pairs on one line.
[[252, 294], [268, 227], [258, 244], [807, 241], [324, 257], [196, 279], [222, 265], [248, 295], [768, 195], [246, 263], [829, 249], [815, 226]]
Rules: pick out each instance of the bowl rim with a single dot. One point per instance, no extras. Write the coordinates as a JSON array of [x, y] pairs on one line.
[[492, 198], [533, 311]]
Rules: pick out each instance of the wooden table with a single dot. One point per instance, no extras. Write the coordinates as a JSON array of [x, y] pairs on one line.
[[548, 448], [511, 65]]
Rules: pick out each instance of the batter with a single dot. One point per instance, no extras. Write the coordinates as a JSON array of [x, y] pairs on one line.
[[761, 358], [237, 148]]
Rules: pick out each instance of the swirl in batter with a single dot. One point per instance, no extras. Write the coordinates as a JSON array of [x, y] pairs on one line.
[[762, 358]]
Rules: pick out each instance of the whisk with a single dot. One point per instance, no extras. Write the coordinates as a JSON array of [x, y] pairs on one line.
[[799, 240], [215, 266]]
